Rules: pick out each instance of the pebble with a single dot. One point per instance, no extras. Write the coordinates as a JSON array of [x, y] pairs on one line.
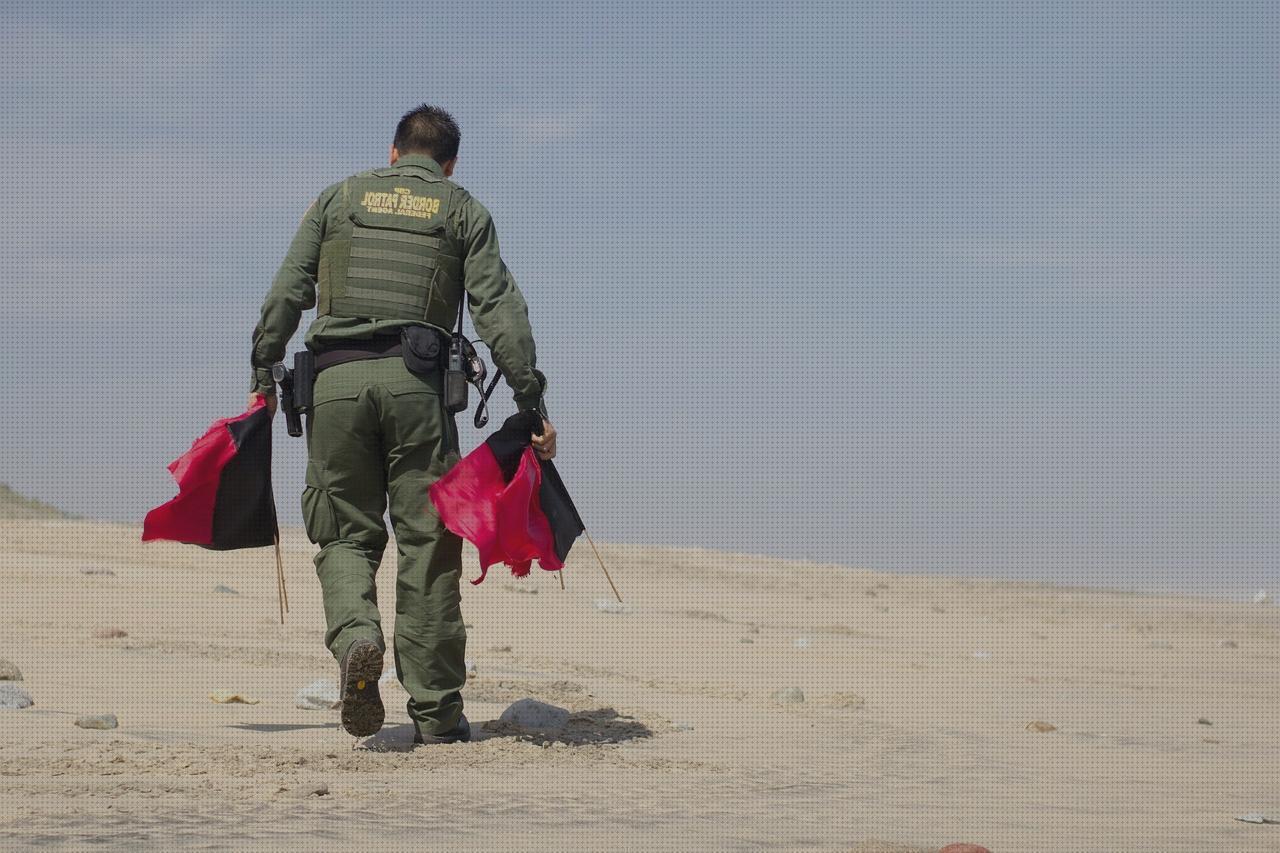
[[225, 590], [13, 697], [1041, 726], [964, 848], [317, 696], [536, 716], [472, 669], [94, 570], [319, 791], [1261, 597], [1229, 644], [9, 671], [109, 634], [98, 721], [846, 700], [1204, 721], [803, 642], [789, 695], [1255, 817], [500, 649], [609, 605], [746, 640], [682, 727], [982, 655]]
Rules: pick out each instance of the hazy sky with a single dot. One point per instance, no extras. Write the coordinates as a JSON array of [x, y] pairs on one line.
[[960, 287]]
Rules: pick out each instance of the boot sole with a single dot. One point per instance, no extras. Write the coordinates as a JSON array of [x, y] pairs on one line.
[[362, 711]]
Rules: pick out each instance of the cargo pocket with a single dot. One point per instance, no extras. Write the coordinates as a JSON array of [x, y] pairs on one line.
[[318, 512]]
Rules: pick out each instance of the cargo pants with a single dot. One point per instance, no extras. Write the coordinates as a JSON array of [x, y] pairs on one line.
[[377, 437]]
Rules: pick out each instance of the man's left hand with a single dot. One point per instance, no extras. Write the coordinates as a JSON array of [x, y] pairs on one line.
[[544, 446]]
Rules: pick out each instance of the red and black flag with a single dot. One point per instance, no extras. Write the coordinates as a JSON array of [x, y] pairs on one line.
[[224, 497], [508, 503]]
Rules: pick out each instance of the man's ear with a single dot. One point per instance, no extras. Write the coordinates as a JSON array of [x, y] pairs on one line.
[[448, 165], [395, 154]]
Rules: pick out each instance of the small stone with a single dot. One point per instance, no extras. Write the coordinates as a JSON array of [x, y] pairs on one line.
[[877, 846], [682, 727], [224, 590], [472, 669], [1041, 726], [789, 696], [609, 605], [319, 695], [746, 640], [848, 701], [1253, 817], [981, 655], [109, 634], [802, 642], [1229, 644], [9, 671], [98, 721], [500, 649], [964, 848], [95, 570], [13, 697], [1261, 597], [1204, 721], [536, 716], [321, 790], [936, 609]]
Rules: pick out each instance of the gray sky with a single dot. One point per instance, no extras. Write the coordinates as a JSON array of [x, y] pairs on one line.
[[980, 288]]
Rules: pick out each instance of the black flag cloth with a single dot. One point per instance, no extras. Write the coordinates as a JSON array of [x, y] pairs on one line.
[[224, 497]]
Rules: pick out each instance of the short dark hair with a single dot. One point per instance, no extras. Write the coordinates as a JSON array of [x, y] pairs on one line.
[[428, 130]]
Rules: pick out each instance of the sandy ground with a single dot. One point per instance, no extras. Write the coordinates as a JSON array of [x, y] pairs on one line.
[[918, 693]]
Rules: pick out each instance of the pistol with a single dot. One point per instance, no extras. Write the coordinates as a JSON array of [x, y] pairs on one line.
[[296, 388]]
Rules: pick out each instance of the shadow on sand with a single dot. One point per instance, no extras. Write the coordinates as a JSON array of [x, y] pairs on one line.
[[272, 728], [584, 728]]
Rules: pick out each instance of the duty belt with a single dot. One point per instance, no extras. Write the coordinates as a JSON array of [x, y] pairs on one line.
[[382, 346]]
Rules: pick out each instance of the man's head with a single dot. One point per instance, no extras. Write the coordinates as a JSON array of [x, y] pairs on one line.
[[428, 130]]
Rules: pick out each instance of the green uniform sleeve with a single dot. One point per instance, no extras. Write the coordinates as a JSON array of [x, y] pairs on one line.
[[292, 292], [498, 309]]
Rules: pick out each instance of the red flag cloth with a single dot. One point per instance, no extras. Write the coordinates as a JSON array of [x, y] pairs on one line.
[[224, 487], [496, 497]]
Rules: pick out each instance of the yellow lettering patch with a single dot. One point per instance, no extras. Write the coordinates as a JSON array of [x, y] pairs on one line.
[[401, 203]]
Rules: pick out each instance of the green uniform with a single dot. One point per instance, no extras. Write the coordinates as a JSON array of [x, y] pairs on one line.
[[376, 252]]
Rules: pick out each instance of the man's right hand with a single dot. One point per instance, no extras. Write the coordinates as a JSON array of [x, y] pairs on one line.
[[254, 396]]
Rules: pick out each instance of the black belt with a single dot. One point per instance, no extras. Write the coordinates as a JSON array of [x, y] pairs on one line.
[[381, 347]]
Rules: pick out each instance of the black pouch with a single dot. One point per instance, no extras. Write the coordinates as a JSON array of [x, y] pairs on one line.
[[421, 349]]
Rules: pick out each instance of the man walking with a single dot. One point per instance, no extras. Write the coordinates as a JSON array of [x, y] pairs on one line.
[[387, 256]]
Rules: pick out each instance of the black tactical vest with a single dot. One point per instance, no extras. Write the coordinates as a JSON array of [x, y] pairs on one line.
[[389, 257]]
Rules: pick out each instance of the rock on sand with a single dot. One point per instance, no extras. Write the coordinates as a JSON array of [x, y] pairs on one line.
[[13, 697], [317, 696], [98, 721], [9, 671], [536, 716]]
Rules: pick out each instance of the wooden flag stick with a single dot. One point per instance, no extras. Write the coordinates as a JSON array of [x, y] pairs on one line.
[[560, 574], [601, 562], [281, 595]]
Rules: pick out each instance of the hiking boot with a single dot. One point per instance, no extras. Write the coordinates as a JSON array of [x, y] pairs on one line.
[[362, 711], [460, 733]]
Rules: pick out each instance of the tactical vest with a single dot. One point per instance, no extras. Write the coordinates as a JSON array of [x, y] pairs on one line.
[[395, 262]]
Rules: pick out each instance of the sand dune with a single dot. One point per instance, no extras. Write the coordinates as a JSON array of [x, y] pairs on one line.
[[918, 692]]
